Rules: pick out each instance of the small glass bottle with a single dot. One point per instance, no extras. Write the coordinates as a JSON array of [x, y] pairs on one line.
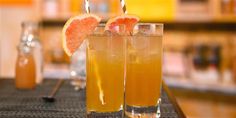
[[25, 68], [234, 68], [30, 37]]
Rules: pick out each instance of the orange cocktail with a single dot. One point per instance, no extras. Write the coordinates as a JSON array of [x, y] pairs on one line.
[[105, 73], [144, 68]]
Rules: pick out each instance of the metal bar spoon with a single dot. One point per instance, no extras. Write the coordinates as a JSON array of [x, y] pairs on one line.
[[51, 98]]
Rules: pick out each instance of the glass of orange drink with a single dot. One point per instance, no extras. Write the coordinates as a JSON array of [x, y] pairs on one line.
[[105, 63], [144, 71]]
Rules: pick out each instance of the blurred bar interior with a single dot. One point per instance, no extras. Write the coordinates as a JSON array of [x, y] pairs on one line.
[[199, 44]]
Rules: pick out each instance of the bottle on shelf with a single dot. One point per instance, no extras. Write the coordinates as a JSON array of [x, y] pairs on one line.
[[234, 59], [234, 68], [50, 9], [234, 7], [227, 6]]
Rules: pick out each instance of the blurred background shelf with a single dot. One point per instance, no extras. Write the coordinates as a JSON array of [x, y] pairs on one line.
[[199, 35], [187, 23], [200, 86]]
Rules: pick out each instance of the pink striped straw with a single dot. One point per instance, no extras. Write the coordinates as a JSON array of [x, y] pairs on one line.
[[123, 6]]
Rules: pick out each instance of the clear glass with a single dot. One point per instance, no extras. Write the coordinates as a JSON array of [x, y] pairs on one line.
[[105, 63], [78, 67], [144, 71]]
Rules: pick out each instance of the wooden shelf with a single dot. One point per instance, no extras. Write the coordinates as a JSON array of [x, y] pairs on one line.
[[228, 25], [226, 19]]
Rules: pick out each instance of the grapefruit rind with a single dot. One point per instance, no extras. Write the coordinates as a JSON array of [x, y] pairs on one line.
[[68, 24], [128, 20]]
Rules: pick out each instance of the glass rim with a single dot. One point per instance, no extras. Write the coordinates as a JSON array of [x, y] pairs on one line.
[[147, 23], [148, 29], [142, 23], [102, 31]]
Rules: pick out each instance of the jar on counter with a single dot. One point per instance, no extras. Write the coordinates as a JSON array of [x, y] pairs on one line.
[[30, 37], [25, 76]]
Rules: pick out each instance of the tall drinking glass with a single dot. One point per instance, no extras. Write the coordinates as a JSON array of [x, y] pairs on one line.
[[105, 63], [144, 71]]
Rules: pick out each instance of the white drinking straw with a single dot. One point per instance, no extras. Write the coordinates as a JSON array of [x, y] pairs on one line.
[[101, 93], [87, 8]]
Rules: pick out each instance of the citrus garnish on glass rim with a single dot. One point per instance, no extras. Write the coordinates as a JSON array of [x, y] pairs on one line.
[[128, 20], [76, 29]]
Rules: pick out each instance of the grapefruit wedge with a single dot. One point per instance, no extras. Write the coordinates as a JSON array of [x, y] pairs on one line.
[[76, 29], [128, 20]]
